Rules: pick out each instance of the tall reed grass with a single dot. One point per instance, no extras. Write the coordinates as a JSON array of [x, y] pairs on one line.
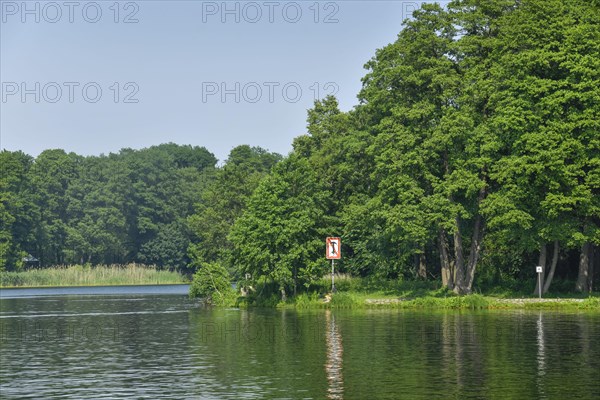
[[84, 275]]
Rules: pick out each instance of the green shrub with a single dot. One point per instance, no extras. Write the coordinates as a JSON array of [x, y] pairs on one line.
[[343, 300], [474, 301], [591, 303], [306, 300], [213, 283]]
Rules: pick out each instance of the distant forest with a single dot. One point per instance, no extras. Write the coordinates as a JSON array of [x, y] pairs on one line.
[[127, 207], [472, 156]]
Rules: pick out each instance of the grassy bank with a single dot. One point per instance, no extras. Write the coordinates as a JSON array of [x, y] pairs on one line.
[[78, 275], [355, 292], [342, 300]]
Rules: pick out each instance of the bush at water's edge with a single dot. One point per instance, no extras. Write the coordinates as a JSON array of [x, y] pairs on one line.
[[212, 283]]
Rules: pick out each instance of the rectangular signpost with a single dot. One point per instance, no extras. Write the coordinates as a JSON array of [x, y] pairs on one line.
[[333, 251]]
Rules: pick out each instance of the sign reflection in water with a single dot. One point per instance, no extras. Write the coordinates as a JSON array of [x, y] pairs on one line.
[[335, 352], [541, 354]]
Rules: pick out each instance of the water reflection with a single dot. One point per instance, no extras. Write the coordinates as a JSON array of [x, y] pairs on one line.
[[335, 352], [446, 347], [541, 348], [541, 356], [167, 347]]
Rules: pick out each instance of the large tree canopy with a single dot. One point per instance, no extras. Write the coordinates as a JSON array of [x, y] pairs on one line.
[[474, 146]]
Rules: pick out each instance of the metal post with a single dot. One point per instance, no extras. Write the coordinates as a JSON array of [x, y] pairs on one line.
[[332, 278], [540, 270]]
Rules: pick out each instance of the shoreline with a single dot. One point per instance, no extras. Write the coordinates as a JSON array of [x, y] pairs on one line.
[[523, 300], [92, 285], [495, 304], [374, 300], [349, 300]]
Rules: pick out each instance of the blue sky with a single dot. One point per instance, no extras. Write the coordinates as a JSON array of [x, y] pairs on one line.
[[94, 77]]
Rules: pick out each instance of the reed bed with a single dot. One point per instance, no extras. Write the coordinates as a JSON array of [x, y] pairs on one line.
[[84, 275]]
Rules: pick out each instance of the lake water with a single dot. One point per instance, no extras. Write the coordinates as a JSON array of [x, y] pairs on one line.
[[155, 343]]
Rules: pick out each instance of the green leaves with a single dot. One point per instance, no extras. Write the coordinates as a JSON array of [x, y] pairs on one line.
[[125, 207], [280, 235], [224, 199], [213, 283]]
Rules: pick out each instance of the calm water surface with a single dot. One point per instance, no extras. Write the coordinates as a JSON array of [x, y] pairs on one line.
[[154, 344]]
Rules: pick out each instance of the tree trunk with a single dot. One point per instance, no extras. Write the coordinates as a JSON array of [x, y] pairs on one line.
[[548, 279], [422, 271], [295, 280], [584, 269], [459, 260], [542, 263], [591, 268], [447, 273], [475, 251], [283, 295], [476, 242]]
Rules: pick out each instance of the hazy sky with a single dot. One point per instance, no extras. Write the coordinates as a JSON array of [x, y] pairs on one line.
[[94, 77]]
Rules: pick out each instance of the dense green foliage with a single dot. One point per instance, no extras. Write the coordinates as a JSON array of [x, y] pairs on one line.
[[224, 199], [475, 148], [213, 283], [127, 207], [472, 156]]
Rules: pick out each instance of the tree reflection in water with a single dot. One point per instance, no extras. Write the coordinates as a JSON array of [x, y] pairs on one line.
[[335, 351]]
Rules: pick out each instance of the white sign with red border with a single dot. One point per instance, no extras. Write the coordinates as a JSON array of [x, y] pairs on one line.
[[333, 249]]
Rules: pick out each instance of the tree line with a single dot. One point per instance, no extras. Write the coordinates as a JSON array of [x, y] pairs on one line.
[[472, 156], [134, 206]]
